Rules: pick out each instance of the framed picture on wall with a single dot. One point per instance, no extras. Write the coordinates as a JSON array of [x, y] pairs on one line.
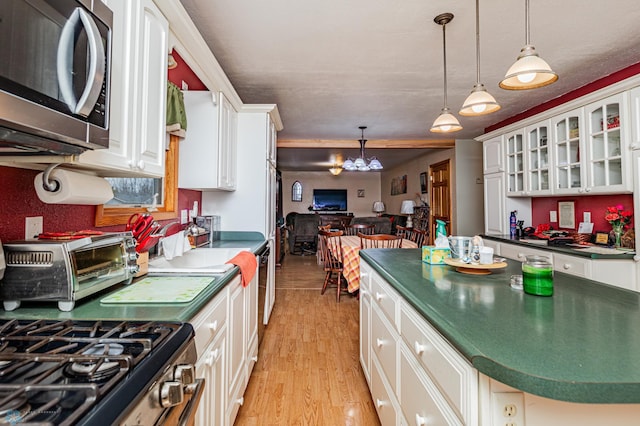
[[423, 182], [360, 193], [566, 214]]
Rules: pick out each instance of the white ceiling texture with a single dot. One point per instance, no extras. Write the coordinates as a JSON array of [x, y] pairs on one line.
[[334, 65]]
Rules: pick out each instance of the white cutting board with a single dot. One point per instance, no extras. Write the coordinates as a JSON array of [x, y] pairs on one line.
[[160, 290]]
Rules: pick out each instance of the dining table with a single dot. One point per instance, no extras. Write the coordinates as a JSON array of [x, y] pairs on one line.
[[351, 259]]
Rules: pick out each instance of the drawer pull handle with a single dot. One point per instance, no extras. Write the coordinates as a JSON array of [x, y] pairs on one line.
[[213, 357], [420, 349], [254, 358], [214, 326], [379, 343], [379, 296], [521, 256], [566, 266], [240, 401], [380, 403], [420, 420]]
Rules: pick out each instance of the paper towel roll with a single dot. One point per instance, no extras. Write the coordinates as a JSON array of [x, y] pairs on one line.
[[74, 188]]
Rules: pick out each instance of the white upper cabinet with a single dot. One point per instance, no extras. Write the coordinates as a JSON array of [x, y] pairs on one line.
[[608, 155], [137, 133], [538, 159], [493, 156], [515, 163], [208, 154], [568, 143]]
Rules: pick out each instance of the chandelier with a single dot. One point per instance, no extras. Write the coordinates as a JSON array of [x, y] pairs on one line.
[[361, 163]]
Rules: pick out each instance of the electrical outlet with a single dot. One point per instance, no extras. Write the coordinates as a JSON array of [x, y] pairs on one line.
[[553, 216], [32, 227], [508, 409], [586, 217], [184, 85], [184, 216]]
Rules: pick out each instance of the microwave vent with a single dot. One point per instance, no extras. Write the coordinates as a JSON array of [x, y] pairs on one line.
[[29, 258]]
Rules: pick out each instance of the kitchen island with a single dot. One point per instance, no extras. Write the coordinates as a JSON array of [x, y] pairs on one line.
[[571, 357]]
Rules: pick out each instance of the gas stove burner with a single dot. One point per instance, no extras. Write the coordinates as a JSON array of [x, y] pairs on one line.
[[112, 349], [93, 372]]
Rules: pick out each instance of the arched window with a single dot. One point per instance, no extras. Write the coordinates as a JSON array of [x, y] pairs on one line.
[[296, 191]]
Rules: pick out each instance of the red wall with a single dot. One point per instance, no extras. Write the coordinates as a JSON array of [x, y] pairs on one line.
[[596, 204]]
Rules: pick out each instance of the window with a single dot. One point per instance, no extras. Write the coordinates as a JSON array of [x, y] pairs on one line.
[[108, 215], [296, 191]]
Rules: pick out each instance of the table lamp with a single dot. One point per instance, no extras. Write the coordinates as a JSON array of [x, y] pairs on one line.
[[378, 207], [407, 208]]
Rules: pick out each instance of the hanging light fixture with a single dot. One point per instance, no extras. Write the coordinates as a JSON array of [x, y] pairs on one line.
[[529, 71], [479, 102], [361, 163], [445, 122]]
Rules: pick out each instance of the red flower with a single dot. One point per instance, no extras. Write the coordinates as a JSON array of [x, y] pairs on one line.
[[616, 216]]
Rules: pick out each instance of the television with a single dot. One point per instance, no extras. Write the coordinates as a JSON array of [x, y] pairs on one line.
[[330, 200]]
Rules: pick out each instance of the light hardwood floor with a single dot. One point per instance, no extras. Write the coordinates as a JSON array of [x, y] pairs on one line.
[[308, 370]]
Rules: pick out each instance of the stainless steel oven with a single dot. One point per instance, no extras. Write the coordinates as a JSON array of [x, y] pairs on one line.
[[82, 372], [54, 79]]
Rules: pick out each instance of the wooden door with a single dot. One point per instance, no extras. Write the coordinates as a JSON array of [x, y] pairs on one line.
[[440, 178]]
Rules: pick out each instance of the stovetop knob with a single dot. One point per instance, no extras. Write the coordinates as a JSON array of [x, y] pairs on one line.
[[185, 374], [171, 394]]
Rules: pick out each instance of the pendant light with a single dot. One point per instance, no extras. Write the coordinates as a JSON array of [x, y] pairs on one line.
[[479, 102], [335, 170], [529, 71], [445, 122]]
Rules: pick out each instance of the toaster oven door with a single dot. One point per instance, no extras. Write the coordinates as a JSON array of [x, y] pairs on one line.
[[98, 267]]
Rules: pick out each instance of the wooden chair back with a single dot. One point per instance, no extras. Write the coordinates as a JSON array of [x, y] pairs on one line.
[[379, 241], [331, 247], [363, 228], [419, 236], [403, 231]]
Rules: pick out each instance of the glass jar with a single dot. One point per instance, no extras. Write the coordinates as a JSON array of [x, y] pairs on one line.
[[537, 276]]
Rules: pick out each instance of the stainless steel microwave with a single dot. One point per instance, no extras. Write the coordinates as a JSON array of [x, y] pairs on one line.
[[54, 78]]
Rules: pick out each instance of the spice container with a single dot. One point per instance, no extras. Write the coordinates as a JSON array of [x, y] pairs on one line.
[[537, 276]]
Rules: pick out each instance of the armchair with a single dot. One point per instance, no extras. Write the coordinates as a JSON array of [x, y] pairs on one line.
[[303, 234]]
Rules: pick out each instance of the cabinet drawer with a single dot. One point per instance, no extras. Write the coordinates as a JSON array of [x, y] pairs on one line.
[[384, 342], [572, 265], [385, 297], [210, 321], [450, 373], [382, 399], [419, 399], [516, 252]]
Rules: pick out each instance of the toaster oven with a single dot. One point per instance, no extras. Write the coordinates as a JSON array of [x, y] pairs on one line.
[[66, 270]]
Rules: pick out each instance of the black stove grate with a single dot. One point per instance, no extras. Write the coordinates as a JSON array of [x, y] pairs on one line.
[[62, 372]]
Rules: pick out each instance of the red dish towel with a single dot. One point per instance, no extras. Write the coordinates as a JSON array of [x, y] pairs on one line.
[[247, 263]]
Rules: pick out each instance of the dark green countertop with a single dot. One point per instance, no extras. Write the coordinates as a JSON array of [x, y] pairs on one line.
[[580, 345], [560, 249], [91, 308]]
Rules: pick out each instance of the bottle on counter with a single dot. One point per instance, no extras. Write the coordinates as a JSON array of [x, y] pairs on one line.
[[537, 276], [512, 224]]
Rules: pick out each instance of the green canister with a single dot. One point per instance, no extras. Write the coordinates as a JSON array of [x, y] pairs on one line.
[[537, 276]]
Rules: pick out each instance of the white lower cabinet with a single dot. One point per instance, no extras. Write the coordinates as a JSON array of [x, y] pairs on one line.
[[227, 345], [415, 376]]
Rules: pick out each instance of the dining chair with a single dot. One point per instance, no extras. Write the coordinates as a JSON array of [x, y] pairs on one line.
[[333, 260], [319, 250], [364, 228], [403, 231], [419, 236], [379, 241]]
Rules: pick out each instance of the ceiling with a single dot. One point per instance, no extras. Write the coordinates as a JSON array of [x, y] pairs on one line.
[[334, 65]]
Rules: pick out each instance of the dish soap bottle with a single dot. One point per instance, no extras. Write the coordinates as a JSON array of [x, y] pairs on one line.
[[512, 224]]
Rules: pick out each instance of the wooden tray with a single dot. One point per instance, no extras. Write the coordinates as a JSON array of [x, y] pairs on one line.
[[470, 268]]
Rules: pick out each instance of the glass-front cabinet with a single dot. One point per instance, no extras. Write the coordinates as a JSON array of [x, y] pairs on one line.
[[607, 143], [538, 159], [515, 163], [567, 143]]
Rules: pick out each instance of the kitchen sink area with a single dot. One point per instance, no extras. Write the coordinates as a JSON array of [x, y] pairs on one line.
[[200, 261]]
